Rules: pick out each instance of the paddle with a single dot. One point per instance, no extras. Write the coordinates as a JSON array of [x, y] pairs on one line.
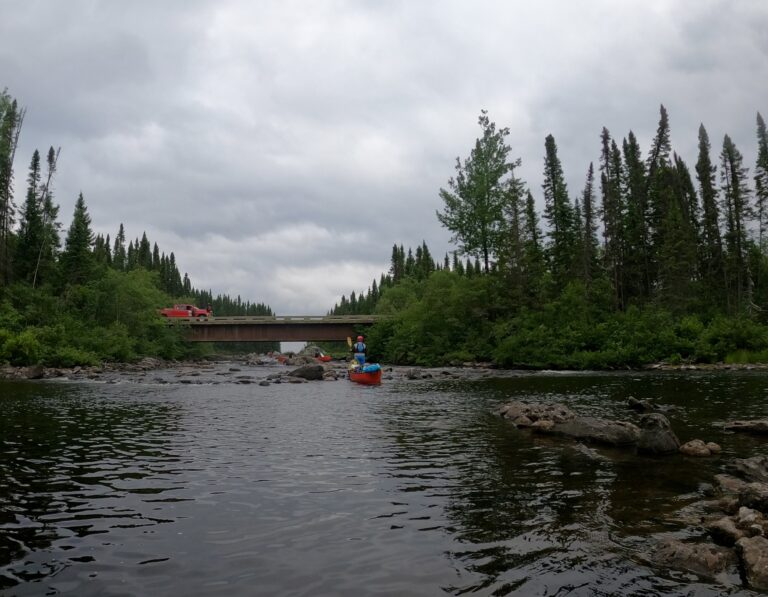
[[349, 343]]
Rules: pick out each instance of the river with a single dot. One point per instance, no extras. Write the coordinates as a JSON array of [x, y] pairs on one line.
[[143, 487]]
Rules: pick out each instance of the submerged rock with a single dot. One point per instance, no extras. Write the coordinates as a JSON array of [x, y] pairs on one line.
[[700, 558], [759, 426], [641, 406]]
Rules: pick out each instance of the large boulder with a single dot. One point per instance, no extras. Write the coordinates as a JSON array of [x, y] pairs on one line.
[[602, 431], [311, 372], [656, 435], [753, 552]]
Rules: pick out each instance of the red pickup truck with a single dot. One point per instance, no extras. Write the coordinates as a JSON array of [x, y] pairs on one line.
[[185, 311]]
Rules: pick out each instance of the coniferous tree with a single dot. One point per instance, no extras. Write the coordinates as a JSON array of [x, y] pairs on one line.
[[119, 256], [77, 258], [613, 216], [155, 258], [637, 271], [588, 230], [559, 214], [11, 119], [761, 182], [736, 210], [51, 242], [659, 176], [677, 254], [711, 253], [533, 252], [31, 228], [145, 253]]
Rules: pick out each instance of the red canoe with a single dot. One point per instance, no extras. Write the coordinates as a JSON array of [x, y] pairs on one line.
[[369, 378]]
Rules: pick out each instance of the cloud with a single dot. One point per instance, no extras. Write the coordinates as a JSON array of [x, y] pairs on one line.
[[277, 145]]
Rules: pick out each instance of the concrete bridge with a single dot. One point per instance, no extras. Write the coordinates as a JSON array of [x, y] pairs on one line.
[[284, 328]]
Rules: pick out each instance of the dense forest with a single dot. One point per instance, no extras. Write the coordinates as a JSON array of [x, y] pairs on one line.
[[79, 298], [651, 261]]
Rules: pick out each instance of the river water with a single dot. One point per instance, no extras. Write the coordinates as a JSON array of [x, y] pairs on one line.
[[329, 488]]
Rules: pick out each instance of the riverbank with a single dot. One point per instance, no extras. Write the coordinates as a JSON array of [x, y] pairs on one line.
[[246, 369], [228, 368]]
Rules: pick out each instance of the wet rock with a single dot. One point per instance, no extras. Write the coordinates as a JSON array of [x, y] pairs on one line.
[[330, 376], [300, 360], [520, 411], [724, 531], [412, 374], [291, 379], [264, 382], [244, 381], [754, 495], [235, 369], [602, 431], [656, 435], [308, 372], [32, 372], [729, 484], [758, 426], [714, 448], [641, 406], [751, 469], [696, 447], [700, 558], [753, 552]]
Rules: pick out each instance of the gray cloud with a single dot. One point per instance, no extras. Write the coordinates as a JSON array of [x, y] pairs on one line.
[[280, 148]]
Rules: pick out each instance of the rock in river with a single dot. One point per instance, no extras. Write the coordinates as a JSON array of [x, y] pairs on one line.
[[311, 372], [759, 426], [656, 435]]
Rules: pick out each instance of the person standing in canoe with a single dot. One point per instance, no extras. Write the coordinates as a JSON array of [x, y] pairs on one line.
[[359, 350]]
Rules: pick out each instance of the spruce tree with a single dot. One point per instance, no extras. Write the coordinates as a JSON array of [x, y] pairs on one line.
[[11, 118], [77, 258], [736, 210], [588, 230], [559, 215], [613, 216], [119, 256], [637, 271], [533, 253], [761, 182], [31, 226]]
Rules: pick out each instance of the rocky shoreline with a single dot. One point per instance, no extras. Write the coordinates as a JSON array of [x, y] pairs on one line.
[[246, 369], [115, 372], [729, 522]]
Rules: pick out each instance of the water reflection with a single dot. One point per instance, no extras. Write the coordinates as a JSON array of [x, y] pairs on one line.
[[332, 489], [73, 466]]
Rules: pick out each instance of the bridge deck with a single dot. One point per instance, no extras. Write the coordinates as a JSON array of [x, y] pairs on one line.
[[266, 328]]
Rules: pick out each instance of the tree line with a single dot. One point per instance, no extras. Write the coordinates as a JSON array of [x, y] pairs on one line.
[[87, 298], [650, 260]]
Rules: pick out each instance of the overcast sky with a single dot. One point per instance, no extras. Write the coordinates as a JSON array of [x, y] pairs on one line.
[[281, 148]]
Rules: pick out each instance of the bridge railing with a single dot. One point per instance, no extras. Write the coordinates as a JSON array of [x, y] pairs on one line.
[[276, 319]]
